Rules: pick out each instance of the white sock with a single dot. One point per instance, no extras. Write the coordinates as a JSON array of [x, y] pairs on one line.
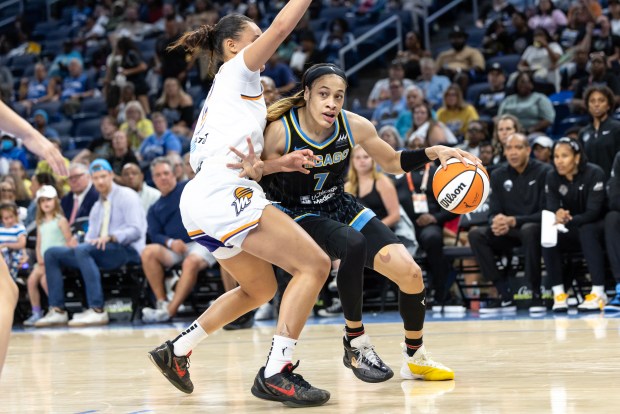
[[188, 339], [599, 290], [281, 353], [557, 289]]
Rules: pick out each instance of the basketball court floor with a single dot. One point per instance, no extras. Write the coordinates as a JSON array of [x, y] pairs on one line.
[[518, 364]]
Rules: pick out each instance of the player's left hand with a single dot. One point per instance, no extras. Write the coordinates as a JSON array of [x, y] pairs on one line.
[[251, 165], [444, 153]]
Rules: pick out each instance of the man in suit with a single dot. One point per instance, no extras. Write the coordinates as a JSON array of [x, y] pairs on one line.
[[78, 202]]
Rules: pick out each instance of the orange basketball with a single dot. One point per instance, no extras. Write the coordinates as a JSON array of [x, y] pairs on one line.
[[461, 189]]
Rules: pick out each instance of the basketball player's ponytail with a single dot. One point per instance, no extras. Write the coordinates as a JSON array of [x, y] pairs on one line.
[[282, 106], [196, 41]]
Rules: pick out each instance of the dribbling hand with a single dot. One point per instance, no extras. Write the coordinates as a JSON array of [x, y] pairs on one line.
[[444, 153]]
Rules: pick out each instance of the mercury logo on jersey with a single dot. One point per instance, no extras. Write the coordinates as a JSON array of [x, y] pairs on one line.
[[329, 159], [243, 198]]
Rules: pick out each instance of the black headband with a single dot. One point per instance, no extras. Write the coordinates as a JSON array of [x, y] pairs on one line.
[[317, 71]]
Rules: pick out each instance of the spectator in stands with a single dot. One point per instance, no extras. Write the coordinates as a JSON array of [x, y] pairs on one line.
[[387, 111], [541, 148], [575, 192], [495, 10], [10, 149], [179, 166], [497, 40], [133, 68], [188, 171], [92, 34], [99, 147], [170, 246], [597, 38], [415, 194], [573, 34], [489, 100], [286, 49], [521, 34], [381, 89], [306, 55], [170, 63], [75, 87], [60, 66], [612, 230], [269, 90], [599, 75], [410, 57], [80, 200], [476, 133], [134, 178], [161, 143], [576, 70], [414, 96], [515, 213], [12, 238], [130, 26], [548, 17], [253, 11], [121, 154], [432, 84], [127, 94], [534, 110], [18, 172], [136, 126], [177, 106], [21, 196], [37, 181], [391, 135], [541, 59], [455, 113], [40, 121], [486, 154], [427, 129], [116, 236], [281, 73], [505, 126], [335, 38], [52, 230], [462, 61], [38, 89], [205, 12], [79, 14], [601, 138]]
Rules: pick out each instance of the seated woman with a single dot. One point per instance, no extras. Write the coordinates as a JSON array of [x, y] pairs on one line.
[[177, 106], [390, 135], [548, 17], [505, 126], [541, 58], [136, 126], [414, 95], [533, 109], [576, 194], [455, 112], [427, 129]]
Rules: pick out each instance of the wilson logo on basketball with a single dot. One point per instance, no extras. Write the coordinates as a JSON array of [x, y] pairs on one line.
[[450, 197], [243, 198]]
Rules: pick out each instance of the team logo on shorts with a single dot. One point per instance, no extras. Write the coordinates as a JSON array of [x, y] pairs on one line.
[[243, 198]]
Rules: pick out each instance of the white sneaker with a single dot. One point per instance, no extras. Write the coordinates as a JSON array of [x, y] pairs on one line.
[[560, 303], [150, 315], [90, 318], [33, 318], [264, 313], [170, 284], [52, 318], [593, 302], [421, 366]]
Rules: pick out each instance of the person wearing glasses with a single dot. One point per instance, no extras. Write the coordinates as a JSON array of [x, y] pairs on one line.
[[116, 236], [575, 192], [83, 195]]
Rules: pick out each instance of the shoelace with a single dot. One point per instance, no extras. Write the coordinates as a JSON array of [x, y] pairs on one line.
[[367, 352], [296, 379]]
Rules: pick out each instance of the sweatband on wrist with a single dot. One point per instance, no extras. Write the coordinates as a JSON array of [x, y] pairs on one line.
[[413, 159]]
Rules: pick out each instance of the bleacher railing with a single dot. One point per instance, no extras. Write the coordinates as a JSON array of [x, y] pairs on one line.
[[396, 42], [6, 4]]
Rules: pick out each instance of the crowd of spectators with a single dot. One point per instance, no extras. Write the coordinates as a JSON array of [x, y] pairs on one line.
[[101, 82]]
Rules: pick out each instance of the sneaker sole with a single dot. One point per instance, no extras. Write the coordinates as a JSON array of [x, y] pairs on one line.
[[286, 401], [50, 325], [431, 374], [364, 378], [164, 371], [83, 324]]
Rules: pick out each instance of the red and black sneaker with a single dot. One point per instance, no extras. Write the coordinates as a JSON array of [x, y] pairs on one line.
[[174, 368], [288, 388]]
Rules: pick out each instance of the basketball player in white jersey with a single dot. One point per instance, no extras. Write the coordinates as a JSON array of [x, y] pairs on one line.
[[35, 142], [231, 216]]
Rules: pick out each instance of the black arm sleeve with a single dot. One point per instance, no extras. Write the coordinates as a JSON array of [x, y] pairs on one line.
[[552, 201], [595, 201], [413, 159]]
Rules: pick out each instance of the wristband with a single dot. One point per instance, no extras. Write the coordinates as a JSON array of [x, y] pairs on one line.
[[413, 159], [169, 243]]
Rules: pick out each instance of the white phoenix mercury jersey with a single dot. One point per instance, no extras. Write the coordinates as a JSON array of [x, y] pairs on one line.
[[234, 110]]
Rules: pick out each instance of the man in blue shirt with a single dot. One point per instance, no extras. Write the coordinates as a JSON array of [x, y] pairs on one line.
[[116, 236], [170, 246], [161, 143]]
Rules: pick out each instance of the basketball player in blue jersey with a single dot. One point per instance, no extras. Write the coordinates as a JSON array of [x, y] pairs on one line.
[[38, 144], [314, 119], [231, 216]]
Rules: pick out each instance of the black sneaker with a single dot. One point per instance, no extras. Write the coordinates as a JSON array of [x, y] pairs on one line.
[[288, 388], [537, 305], [174, 368], [499, 306], [361, 357], [244, 321]]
